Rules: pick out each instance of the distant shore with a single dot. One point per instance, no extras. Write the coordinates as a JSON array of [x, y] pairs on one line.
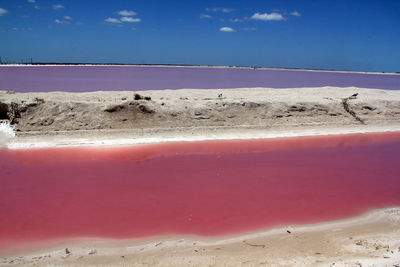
[[188, 66]]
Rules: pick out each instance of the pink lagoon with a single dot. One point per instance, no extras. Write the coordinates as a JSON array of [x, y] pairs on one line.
[[203, 188]]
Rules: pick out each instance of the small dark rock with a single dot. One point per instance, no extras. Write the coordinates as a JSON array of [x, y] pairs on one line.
[[145, 109], [39, 100], [113, 108], [369, 108], [298, 108], [137, 97], [3, 111]]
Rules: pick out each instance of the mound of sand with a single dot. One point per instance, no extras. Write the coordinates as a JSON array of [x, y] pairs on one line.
[[209, 111]]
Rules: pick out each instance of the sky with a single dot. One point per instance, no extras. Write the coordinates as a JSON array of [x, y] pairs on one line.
[[314, 34]]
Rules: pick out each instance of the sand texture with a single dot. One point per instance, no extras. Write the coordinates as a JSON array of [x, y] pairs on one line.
[[195, 114], [369, 240]]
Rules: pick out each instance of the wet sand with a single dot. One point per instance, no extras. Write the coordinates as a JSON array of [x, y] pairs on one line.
[[372, 239]]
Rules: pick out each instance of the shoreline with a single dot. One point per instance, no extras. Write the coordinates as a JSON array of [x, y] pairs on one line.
[[121, 138], [193, 66], [370, 238]]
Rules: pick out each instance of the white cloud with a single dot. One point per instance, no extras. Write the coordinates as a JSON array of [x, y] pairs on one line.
[[126, 13], [31, 1], [112, 20], [129, 19], [236, 20], [295, 13], [133, 29], [267, 17], [61, 21], [250, 29], [205, 16], [226, 29], [36, 7], [220, 9], [3, 11], [67, 18], [58, 6]]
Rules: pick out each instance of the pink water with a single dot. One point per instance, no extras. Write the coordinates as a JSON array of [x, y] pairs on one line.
[[204, 188], [131, 78]]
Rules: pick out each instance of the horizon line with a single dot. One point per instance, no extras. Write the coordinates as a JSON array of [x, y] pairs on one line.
[[188, 65]]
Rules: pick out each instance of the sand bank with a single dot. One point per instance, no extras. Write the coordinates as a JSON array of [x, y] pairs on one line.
[[120, 118], [372, 239]]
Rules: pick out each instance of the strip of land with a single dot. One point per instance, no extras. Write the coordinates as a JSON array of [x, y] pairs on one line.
[[123, 118]]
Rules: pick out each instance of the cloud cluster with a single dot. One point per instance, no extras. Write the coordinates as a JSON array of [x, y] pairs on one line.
[[112, 20], [59, 21], [65, 20], [126, 13], [130, 19], [295, 13], [31, 1], [205, 16], [3, 11], [267, 17], [273, 16], [227, 29], [126, 16]]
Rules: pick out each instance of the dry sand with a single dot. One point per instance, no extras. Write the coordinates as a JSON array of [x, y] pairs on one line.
[[116, 118], [59, 118]]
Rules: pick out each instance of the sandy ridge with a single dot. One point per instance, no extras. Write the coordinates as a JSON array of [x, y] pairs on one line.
[[193, 115]]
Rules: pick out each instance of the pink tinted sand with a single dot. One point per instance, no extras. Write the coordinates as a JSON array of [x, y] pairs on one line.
[[204, 188]]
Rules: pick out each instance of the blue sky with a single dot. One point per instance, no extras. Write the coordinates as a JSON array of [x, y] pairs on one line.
[[343, 35]]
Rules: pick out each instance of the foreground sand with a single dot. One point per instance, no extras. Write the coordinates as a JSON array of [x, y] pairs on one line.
[[372, 239], [116, 118]]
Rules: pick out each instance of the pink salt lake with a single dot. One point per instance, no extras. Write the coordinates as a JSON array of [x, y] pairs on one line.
[[202, 188]]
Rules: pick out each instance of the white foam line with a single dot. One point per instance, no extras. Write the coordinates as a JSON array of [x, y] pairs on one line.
[[83, 142]]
